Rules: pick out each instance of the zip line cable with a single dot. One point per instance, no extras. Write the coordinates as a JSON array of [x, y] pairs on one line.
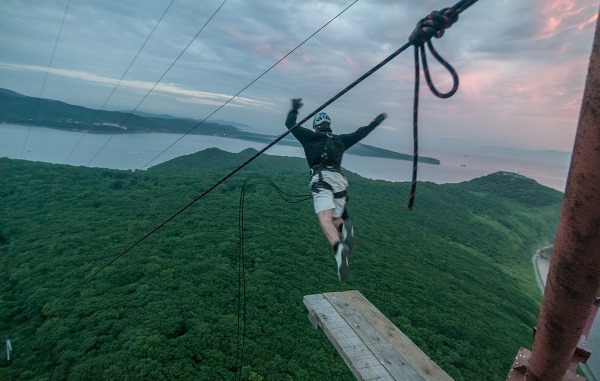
[[160, 79], [248, 85], [426, 29], [122, 77], [37, 103]]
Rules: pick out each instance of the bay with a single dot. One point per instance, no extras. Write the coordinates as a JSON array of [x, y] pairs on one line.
[[141, 151]]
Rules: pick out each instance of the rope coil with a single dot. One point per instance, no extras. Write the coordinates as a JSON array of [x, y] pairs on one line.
[[433, 25]]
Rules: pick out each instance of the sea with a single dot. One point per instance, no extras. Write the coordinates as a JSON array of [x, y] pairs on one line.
[[141, 151]]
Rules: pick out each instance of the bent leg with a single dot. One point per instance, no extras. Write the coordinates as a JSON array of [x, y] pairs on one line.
[[329, 226], [337, 221]]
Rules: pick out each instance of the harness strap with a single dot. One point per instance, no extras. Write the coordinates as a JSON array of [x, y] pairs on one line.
[[325, 154], [322, 167], [319, 185], [322, 184]]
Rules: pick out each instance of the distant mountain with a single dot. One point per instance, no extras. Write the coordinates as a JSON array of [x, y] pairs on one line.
[[515, 187], [553, 155], [17, 108], [10, 93], [20, 109], [151, 115]]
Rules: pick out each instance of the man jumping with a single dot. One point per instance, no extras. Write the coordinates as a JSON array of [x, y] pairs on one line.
[[324, 151]]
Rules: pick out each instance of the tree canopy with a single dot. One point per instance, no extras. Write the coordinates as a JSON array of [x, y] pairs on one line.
[[455, 274]]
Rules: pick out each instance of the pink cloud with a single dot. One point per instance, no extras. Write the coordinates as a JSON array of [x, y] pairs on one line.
[[589, 21], [262, 47], [256, 43], [565, 14], [352, 64], [479, 83], [293, 62], [519, 87]]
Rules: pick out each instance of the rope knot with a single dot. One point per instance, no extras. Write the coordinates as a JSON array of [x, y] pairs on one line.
[[433, 25]]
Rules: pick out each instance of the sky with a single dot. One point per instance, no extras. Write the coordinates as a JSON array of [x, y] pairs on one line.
[[522, 64]]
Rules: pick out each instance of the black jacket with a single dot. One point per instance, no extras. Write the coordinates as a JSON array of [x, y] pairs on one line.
[[322, 147]]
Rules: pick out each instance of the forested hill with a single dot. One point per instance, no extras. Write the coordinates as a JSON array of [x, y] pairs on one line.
[[454, 274], [17, 108]]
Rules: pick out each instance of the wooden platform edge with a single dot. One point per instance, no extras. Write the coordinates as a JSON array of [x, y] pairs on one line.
[[363, 364], [356, 309], [413, 354]]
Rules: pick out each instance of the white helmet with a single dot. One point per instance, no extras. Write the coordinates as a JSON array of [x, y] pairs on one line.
[[321, 118]]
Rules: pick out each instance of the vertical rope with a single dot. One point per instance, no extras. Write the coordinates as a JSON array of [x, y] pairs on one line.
[[413, 186], [433, 25], [241, 295]]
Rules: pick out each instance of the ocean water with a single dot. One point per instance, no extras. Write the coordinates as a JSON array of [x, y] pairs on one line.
[[140, 151]]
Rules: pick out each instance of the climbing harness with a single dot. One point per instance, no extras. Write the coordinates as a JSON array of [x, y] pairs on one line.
[[325, 155], [333, 150], [320, 184]]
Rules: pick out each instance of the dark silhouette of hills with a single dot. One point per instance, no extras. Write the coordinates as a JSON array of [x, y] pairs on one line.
[[17, 108]]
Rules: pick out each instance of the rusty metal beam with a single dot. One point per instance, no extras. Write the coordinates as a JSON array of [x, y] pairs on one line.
[[574, 275]]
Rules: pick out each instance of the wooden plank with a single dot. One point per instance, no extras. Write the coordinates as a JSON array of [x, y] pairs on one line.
[[428, 369], [396, 365], [361, 362], [371, 346]]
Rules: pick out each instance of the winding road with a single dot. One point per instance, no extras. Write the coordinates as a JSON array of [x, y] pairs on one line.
[[592, 367]]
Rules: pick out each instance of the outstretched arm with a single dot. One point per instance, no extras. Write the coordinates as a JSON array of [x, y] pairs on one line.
[[293, 113], [362, 132], [300, 133]]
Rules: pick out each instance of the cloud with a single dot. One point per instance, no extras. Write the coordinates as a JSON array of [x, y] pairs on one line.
[[185, 95], [525, 64], [560, 15]]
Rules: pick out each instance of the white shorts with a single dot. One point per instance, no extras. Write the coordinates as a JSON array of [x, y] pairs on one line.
[[323, 199]]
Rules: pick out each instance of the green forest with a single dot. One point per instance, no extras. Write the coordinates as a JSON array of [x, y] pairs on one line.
[[455, 274]]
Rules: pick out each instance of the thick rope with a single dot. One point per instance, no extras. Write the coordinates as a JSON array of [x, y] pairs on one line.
[[433, 25]]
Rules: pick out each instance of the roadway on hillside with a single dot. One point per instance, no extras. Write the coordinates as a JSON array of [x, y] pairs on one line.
[[592, 368]]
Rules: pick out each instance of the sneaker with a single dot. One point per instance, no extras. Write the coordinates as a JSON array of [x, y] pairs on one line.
[[348, 234], [341, 257]]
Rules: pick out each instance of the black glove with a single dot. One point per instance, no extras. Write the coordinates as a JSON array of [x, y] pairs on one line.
[[380, 118], [297, 104]]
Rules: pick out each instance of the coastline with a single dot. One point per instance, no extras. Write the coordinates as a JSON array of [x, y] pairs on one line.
[[141, 150]]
